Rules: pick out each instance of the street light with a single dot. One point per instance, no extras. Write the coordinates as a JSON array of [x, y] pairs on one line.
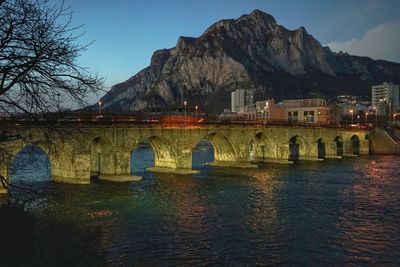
[[358, 119], [184, 104], [197, 107], [394, 119], [351, 111], [266, 112], [100, 103], [366, 117], [376, 116]]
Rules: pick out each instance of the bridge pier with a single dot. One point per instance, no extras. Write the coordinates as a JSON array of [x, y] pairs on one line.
[[332, 151], [364, 147], [274, 153], [310, 153], [70, 168], [233, 164], [4, 173], [172, 170], [116, 166]]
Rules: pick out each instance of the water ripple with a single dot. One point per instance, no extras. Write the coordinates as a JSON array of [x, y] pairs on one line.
[[339, 212]]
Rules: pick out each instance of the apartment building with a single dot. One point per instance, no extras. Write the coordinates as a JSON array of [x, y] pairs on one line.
[[385, 98], [313, 110]]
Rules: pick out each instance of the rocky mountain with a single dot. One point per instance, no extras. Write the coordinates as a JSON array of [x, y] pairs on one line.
[[252, 51]]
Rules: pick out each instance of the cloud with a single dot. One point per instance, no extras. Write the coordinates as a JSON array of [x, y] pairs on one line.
[[381, 42]]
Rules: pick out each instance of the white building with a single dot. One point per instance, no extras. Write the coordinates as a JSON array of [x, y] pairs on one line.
[[241, 98], [386, 95], [237, 100]]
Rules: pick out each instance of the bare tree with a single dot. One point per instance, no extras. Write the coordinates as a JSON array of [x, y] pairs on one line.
[[39, 49], [39, 69]]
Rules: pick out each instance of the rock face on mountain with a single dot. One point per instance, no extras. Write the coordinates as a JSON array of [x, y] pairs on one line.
[[252, 52]]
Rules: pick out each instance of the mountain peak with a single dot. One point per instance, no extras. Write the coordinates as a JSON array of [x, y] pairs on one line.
[[258, 14], [252, 51]]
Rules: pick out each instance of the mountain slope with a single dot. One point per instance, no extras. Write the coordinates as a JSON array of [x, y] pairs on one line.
[[252, 51]]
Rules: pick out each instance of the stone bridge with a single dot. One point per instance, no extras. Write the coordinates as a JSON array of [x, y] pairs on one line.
[[76, 153]]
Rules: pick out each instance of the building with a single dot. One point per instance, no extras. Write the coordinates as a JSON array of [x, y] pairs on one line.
[[313, 110], [268, 110], [249, 94], [241, 98], [385, 98], [262, 111], [237, 100]]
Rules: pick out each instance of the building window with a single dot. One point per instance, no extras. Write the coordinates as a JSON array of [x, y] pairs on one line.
[[293, 116], [309, 116]]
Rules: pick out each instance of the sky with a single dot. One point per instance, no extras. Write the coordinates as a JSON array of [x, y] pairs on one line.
[[127, 32]]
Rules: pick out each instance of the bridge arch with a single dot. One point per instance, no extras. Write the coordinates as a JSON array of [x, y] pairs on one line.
[[339, 145], [165, 155], [223, 148], [30, 163], [297, 147], [321, 148], [203, 153], [259, 147], [355, 145], [142, 156]]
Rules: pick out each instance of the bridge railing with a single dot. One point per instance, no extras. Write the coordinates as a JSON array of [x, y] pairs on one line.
[[172, 120]]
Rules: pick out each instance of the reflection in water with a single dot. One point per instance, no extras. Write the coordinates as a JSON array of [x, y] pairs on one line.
[[339, 212]]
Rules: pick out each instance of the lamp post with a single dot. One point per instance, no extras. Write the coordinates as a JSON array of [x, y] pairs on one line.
[[197, 107], [394, 119], [100, 103], [366, 118], [266, 112], [358, 119], [376, 116], [184, 104], [351, 112]]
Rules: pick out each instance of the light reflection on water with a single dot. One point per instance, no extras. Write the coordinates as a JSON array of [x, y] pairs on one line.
[[332, 213]]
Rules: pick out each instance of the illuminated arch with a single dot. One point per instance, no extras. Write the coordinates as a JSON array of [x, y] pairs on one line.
[[164, 153], [223, 148]]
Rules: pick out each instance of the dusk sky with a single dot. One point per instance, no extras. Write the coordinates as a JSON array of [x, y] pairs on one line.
[[126, 33]]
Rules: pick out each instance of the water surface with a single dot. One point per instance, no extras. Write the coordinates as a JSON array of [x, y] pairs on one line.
[[338, 212]]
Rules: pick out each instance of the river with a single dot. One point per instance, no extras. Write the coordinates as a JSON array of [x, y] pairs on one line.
[[337, 212]]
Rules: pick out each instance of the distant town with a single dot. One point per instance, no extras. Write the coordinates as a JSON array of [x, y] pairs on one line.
[[384, 107]]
